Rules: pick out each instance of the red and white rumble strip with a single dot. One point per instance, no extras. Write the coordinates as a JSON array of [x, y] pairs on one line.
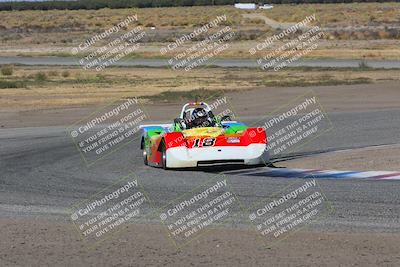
[[322, 174]]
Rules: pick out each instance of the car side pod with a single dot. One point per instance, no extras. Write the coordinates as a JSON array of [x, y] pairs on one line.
[[170, 141], [174, 139], [257, 137]]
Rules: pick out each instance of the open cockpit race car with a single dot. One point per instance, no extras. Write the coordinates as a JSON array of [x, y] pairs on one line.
[[198, 138]]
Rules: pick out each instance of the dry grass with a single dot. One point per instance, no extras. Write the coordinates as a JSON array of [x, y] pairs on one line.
[[328, 15], [95, 20], [37, 33], [88, 88]]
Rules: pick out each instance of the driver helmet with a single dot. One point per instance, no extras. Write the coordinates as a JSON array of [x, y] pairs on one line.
[[199, 118]]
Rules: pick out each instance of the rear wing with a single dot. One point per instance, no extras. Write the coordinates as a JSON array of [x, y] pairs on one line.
[[230, 123], [167, 126], [148, 126], [156, 127]]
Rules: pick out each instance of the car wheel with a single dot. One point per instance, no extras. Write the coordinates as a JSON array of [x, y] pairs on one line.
[[145, 161], [163, 156]]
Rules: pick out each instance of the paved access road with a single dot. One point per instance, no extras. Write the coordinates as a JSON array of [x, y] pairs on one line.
[[245, 63]]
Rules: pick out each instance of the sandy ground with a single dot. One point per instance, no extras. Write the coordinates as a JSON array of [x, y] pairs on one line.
[[49, 243]]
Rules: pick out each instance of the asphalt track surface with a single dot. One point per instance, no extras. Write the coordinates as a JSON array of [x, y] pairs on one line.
[[245, 63], [42, 176]]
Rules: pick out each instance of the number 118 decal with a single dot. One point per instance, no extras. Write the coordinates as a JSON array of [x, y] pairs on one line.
[[205, 142]]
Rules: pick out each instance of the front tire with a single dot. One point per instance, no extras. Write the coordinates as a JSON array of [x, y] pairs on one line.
[[145, 160], [163, 156]]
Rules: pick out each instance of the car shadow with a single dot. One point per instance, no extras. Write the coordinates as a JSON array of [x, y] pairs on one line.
[[274, 160], [224, 168]]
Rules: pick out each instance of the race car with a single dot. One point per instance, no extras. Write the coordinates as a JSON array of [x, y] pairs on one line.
[[198, 138]]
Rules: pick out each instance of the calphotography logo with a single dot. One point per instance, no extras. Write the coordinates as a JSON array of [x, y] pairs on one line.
[[290, 30], [108, 211], [105, 131], [120, 46], [288, 53], [289, 210], [294, 125], [192, 214], [188, 54]]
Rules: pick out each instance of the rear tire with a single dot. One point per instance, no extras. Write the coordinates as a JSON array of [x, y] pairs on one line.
[[163, 156]]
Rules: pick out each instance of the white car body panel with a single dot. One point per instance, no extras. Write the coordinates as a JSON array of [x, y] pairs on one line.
[[182, 157]]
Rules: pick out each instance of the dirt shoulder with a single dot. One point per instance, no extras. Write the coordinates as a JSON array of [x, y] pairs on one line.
[[251, 102], [43, 243], [45, 87]]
